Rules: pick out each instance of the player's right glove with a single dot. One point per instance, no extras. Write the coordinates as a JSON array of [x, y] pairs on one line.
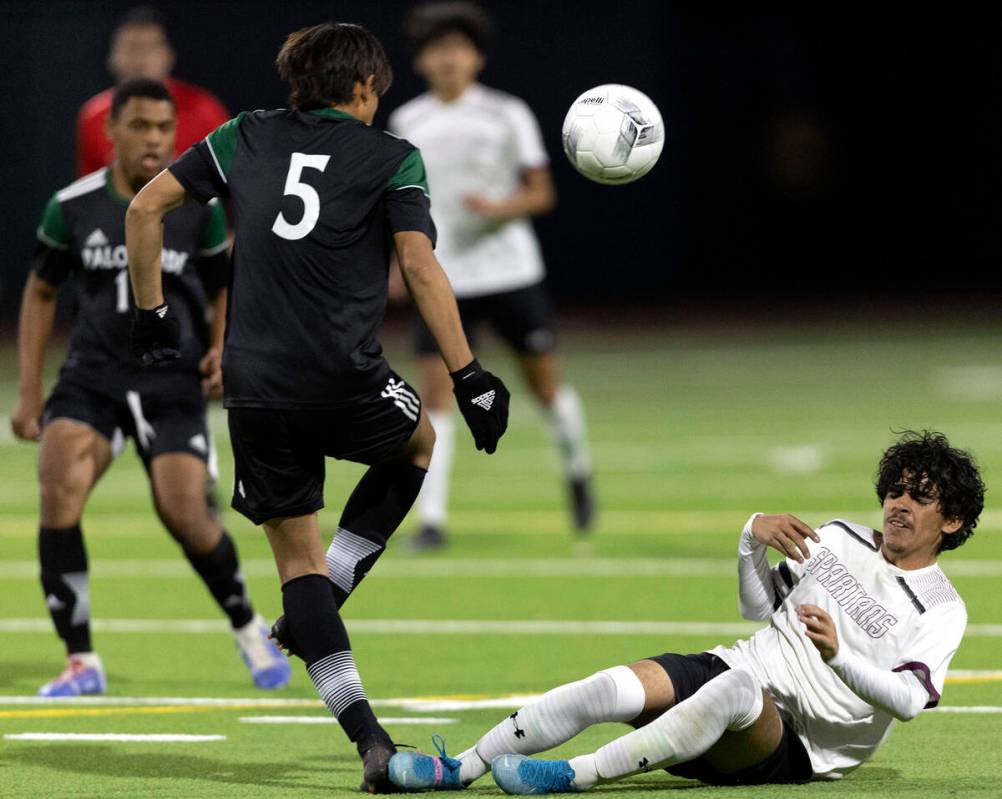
[[156, 336], [483, 401]]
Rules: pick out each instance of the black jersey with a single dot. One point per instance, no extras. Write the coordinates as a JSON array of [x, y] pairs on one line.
[[82, 235], [316, 197]]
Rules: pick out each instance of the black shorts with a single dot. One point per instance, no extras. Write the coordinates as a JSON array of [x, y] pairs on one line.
[[278, 455], [158, 422], [523, 318], [789, 763]]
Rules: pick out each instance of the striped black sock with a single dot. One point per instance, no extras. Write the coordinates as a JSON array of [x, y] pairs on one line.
[[65, 582], [220, 571], [373, 512], [312, 617]]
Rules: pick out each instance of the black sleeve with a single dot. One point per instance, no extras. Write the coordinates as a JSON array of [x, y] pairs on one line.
[[214, 272], [196, 171], [53, 266], [410, 209]]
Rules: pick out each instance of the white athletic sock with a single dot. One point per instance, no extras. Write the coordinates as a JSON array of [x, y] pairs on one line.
[[434, 497], [567, 426], [614, 694], [732, 701]]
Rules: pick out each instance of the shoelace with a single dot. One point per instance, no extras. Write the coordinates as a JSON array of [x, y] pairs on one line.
[[439, 743], [555, 775]]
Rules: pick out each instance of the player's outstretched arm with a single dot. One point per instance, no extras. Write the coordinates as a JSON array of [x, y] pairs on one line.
[[482, 397], [155, 335], [34, 328]]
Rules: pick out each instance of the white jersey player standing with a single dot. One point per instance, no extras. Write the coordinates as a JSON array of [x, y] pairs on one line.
[[862, 628], [486, 161]]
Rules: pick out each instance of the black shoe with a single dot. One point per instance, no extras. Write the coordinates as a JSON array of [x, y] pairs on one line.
[[429, 537], [376, 768], [282, 636], [583, 503]]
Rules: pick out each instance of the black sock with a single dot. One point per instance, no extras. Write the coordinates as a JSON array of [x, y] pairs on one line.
[[63, 561], [220, 571], [313, 620], [373, 512]]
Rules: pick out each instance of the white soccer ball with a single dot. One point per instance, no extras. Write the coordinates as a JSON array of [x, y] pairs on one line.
[[613, 134]]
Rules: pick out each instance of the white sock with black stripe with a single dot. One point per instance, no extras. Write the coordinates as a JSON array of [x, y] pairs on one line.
[[615, 694], [731, 701]]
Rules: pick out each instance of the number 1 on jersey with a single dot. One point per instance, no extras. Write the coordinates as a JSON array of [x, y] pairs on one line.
[[305, 192], [122, 291]]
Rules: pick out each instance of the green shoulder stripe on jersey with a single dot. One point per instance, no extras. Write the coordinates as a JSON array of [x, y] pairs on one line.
[[222, 143], [214, 238], [52, 231], [410, 174]]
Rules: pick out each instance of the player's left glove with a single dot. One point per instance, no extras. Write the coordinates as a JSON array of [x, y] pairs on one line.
[[483, 401], [156, 336]]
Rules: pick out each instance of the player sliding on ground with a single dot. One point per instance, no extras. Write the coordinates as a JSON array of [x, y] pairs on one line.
[[103, 397], [862, 628], [319, 197]]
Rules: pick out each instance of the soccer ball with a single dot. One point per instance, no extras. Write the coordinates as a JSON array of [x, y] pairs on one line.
[[613, 134]]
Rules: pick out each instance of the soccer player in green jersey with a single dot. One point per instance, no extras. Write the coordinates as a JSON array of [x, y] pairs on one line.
[[102, 396], [320, 198]]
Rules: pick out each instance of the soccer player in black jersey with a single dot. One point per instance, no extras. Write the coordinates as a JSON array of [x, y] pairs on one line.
[[319, 198], [102, 395]]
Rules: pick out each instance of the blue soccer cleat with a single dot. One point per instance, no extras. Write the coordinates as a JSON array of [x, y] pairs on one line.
[[83, 675], [522, 775], [416, 771], [269, 668]]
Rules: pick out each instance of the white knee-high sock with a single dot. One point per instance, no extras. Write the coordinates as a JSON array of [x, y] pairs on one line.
[[566, 419], [732, 701], [434, 497], [614, 694]]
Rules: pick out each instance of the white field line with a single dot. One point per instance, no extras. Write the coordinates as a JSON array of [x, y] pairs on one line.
[[449, 627], [178, 568], [965, 709], [429, 720], [111, 736], [414, 704]]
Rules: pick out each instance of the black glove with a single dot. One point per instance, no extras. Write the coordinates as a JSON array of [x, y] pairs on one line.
[[156, 336], [483, 401]]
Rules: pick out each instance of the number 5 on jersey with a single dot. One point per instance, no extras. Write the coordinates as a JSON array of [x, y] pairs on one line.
[[311, 200]]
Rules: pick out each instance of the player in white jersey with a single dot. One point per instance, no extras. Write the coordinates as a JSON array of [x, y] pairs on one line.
[[862, 627], [489, 171]]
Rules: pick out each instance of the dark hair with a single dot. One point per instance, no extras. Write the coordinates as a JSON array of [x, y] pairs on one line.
[[431, 21], [323, 63], [138, 87], [139, 16], [925, 466]]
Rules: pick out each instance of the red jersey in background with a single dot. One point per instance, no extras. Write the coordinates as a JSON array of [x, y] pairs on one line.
[[199, 112]]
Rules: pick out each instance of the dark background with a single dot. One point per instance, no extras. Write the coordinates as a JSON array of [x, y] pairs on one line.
[[832, 152]]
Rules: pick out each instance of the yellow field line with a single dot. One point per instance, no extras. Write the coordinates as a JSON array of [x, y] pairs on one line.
[[66, 712], [975, 679]]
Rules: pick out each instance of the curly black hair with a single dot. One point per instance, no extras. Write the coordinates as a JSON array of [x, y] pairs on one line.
[[925, 466]]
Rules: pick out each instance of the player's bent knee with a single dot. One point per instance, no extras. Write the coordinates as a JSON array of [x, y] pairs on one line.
[[61, 494], [747, 698], [185, 515], [630, 695]]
